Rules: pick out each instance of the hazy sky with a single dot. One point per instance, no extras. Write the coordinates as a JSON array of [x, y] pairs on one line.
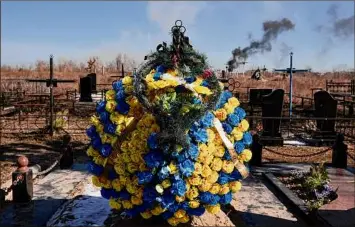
[[77, 30]]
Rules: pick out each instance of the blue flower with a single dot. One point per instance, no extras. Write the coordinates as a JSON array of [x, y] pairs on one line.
[[95, 169], [124, 195], [195, 127], [100, 106], [227, 155], [91, 132], [96, 143], [106, 193], [120, 95], [163, 173], [144, 206], [197, 211], [247, 138], [184, 205], [106, 150], [193, 151], [190, 79], [117, 85], [167, 200], [178, 187], [239, 146], [160, 69], [130, 213], [149, 194], [180, 156], [223, 178], [153, 159], [196, 100], [207, 120], [104, 117], [112, 174], [186, 168], [214, 199], [173, 207], [227, 127], [233, 119], [110, 128], [207, 197], [167, 214], [204, 83], [152, 141], [144, 177], [225, 95], [226, 199], [157, 76], [240, 112], [200, 135], [235, 175], [122, 107]]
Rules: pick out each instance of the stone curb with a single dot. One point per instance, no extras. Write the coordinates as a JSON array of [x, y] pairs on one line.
[[295, 202]]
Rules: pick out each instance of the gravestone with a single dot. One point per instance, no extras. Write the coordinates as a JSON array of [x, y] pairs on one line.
[[272, 107], [85, 89], [93, 81], [255, 95], [325, 107]]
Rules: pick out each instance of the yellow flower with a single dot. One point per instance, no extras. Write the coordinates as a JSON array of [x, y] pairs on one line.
[[120, 168], [243, 125], [111, 106], [95, 181], [114, 204], [194, 204], [110, 95], [123, 179], [142, 167], [132, 167], [235, 186], [202, 90], [146, 215], [166, 183], [224, 189], [172, 168], [179, 199], [184, 219], [198, 168], [205, 185], [136, 157], [155, 128], [99, 128], [221, 114], [116, 185], [173, 221], [194, 180], [131, 188], [127, 204], [125, 146], [206, 171], [233, 102], [229, 108], [127, 80], [136, 201], [213, 209], [219, 151], [99, 160], [119, 129], [238, 135], [216, 164], [228, 166], [180, 213], [95, 120], [211, 134], [246, 155], [172, 72], [192, 193], [126, 157], [215, 188], [92, 152], [213, 177], [149, 78], [217, 140], [128, 89], [157, 210]]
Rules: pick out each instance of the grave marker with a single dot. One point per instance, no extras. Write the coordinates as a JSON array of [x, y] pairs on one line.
[[51, 82], [325, 107], [272, 107], [85, 89], [93, 81]]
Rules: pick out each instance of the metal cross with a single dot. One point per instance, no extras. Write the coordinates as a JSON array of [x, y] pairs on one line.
[[51, 82], [289, 71]]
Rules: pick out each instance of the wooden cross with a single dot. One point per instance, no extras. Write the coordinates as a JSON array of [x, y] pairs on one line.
[[122, 73], [51, 82], [288, 70]]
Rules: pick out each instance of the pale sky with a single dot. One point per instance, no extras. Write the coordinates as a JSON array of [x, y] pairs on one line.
[[77, 30]]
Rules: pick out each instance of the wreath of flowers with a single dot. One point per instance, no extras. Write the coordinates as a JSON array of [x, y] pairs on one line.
[[158, 141]]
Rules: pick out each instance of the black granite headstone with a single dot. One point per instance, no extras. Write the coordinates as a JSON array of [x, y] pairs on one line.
[[255, 95], [272, 107], [93, 81], [325, 107], [85, 89], [22, 191]]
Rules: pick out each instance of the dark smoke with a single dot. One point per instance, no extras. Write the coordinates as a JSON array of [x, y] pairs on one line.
[[337, 27], [271, 30]]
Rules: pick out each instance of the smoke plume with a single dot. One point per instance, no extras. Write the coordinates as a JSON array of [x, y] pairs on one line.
[[271, 31]]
